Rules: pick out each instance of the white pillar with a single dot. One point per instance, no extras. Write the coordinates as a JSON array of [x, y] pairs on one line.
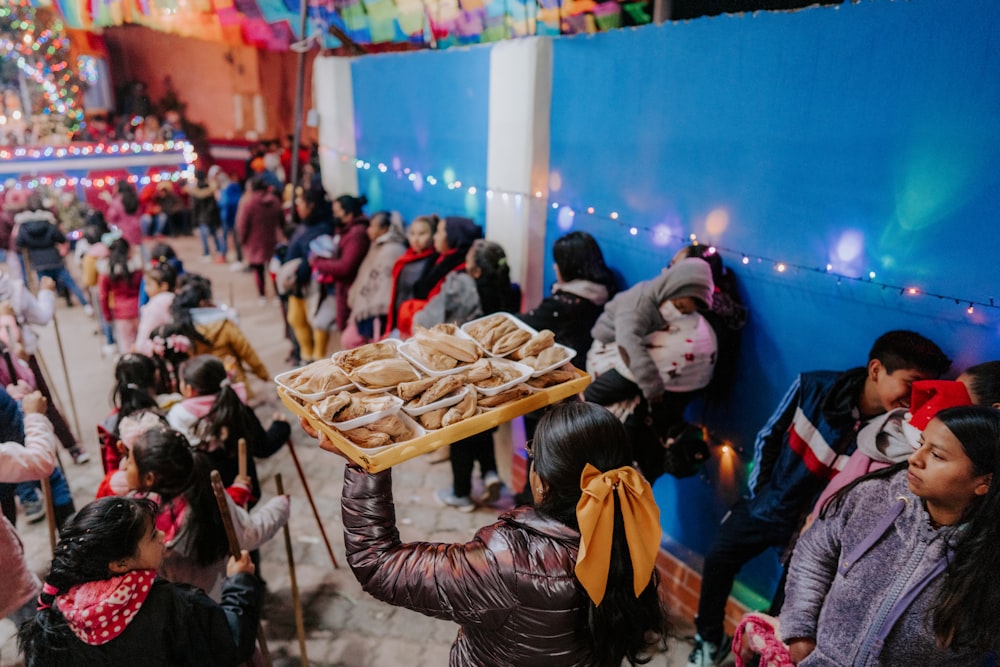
[[334, 103], [518, 157]]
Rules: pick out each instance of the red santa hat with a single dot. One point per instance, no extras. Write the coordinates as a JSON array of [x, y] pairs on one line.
[[929, 397]]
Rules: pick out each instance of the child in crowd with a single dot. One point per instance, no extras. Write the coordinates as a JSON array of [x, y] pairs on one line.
[[652, 352], [116, 449], [371, 291], [93, 253], [162, 462], [105, 566], [159, 283], [559, 584], [483, 288], [39, 234], [316, 213], [119, 294], [123, 214], [411, 265], [35, 459], [900, 568], [803, 445], [211, 330], [214, 417], [205, 215]]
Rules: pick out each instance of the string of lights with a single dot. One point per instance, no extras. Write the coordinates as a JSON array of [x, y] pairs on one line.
[[660, 234]]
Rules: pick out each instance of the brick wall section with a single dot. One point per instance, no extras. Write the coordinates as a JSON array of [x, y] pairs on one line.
[[680, 587]]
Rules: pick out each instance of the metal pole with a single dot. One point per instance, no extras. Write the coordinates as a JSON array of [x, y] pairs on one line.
[[69, 387], [299, 90]]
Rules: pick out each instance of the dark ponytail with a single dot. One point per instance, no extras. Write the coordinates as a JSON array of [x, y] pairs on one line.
[[568, 437], [135, 383], [118, 268], [225, 422], [180, 470], [106, 530], [352, 206], [493, 284]]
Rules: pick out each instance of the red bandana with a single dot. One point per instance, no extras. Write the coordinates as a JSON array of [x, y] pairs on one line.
[[98, 611]]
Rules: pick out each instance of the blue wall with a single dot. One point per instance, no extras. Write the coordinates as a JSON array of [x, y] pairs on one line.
[[864, 136], [426, 112]]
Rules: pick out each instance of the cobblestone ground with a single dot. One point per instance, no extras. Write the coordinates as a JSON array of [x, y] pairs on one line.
[[345, 627]]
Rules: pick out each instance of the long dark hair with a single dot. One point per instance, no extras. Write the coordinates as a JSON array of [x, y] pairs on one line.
[[493, 284], [579, 257], [964, 611], [225, 422], [352, 206], [569, 436], [193, 291], [180, 470], [104, 531], [129, 197], [118, 268], [135, 382]]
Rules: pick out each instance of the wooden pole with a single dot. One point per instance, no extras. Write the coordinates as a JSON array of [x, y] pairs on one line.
[[312, 503], [300, 625], [242, 448], [50, 511], [69, 387], [234, 548]]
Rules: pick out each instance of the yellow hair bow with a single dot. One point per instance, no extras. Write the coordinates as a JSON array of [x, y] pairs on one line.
[[596, 515]]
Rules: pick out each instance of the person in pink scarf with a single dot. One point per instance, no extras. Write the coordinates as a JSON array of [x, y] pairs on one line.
[[103, 603]]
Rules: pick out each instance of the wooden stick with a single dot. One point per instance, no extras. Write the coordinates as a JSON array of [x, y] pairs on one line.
[[312, 503], [50, 511], [242, 445], [69, 387], [234, 548], [300, 625]]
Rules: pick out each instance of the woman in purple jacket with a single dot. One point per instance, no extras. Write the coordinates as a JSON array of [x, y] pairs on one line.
[[901, 567], [569, 582]]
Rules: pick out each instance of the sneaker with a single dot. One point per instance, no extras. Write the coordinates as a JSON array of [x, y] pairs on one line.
[[706, 653], [492, 485], [219, 259], [262, 301], [109, 350], [79, 456], [34, 510], [89, 310], [448, 498], [236, 267]]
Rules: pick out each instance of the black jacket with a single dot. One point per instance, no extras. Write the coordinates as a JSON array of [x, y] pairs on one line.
[[176, 625], [39, 235], [570, 317]]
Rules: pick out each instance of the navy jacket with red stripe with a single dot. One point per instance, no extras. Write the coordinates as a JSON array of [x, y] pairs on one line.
[[804, 444]]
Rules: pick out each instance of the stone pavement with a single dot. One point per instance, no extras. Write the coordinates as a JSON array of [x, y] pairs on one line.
[[345, 627]]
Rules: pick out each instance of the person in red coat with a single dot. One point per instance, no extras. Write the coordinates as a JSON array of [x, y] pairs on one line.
[[410, 266], [258, 225], [452, 240], [340, 270], [119, 294]]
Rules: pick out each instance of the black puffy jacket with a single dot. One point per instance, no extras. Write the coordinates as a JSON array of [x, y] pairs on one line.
[[38, 234]]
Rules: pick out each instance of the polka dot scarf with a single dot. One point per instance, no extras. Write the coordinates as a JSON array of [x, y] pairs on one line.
[[99, 611]]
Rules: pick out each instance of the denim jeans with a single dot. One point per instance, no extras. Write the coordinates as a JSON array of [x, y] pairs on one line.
[[62, 276], [218, 238], [153, 225]]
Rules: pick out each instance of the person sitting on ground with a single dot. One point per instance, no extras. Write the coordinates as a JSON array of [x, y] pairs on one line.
[[804, 444], [108, 561], [569, 582]]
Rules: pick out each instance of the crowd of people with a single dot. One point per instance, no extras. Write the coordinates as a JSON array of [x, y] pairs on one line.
[[568, 576]]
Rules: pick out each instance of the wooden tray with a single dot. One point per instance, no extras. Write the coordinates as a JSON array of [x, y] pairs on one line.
[[386, 457]]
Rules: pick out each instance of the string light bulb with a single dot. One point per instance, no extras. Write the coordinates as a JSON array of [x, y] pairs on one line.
[[780, 267]]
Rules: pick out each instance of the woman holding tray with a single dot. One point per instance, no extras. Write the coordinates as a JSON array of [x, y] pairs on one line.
[[568, 582]]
